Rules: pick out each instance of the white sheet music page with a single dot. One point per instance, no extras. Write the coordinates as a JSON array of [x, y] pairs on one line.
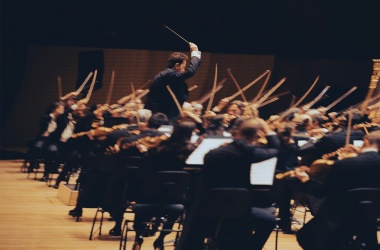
[[262, 172], [196, 158]]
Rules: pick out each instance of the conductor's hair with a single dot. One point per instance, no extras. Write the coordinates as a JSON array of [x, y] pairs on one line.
[[176, 57]]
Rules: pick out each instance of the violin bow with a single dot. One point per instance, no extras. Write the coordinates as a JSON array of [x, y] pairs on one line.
[[145, 84], [262, 88], [318, 98], [292, 101], [83, 84], [59, 87], [300, 100], [175, 99], [373, 84], [92, 86], [133, 92], [341, 98], [349, 124], [111, 87], [142, 94], [268, 102], [213, 89], [192, 88], [240, 92], [273, 89], [206, 96], [249, 84]]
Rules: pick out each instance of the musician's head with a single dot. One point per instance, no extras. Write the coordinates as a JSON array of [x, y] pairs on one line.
[[356, 118], [248, 129], [182, 131], [302, 122], [57, 108], [144, 114], [234, 126], [177, 61], [291, 113], [372, 140], [235, 108], [157, 119], [215, 122], [285, 131], [317, 121]]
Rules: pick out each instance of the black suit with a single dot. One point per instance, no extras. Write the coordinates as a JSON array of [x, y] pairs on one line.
[[357, 172], [229, 166], [312, 151], [159, 98]]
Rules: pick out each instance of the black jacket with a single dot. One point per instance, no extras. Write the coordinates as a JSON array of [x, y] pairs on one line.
[[159, 98]]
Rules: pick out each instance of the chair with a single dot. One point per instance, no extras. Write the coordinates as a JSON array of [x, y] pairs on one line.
[[122, 180], [162, 194], [363, 210], [221, 204]]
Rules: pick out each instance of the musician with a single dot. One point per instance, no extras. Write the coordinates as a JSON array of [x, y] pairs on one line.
[[97, 177], [325, 230], [221, 170], [314, 149], [72, 150], [39, 146], [169, 155], [174, 76]]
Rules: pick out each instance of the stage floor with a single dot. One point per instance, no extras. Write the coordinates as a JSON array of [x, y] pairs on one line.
[[33, 217]]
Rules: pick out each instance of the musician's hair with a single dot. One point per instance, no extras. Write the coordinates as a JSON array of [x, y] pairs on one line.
[[374, 138], [178, 145], [356, 118], [319, 118], [234, 125], [176, 57], [157, 119], [53, 107], [248, 129]]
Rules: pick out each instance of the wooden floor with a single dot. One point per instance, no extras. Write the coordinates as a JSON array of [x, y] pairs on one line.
[[33, 217]]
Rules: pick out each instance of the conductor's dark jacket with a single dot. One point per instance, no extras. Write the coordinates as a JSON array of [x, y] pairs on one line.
[[159, 98]]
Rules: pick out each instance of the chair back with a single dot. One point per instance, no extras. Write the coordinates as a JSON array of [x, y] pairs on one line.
[[164, 187], [363, 203]]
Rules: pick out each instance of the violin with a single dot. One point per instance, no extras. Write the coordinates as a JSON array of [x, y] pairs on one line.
[[99, 132], [319, 169], [145, 143]]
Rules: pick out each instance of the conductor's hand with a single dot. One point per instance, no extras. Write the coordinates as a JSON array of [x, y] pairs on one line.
[[193, 47]]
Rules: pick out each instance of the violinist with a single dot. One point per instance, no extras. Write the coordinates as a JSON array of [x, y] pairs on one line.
[[325, 230], [168, 155], [221, 171], [71, 150], [39, 146], [330, 142]]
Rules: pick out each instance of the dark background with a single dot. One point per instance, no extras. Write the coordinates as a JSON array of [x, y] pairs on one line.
[[301, 29]]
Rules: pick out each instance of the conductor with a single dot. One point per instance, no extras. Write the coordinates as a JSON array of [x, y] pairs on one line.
[[159, 98]]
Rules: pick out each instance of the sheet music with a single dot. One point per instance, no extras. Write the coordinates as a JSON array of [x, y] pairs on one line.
[[358, 143], [301, 143], [196, 158], [262, 173]]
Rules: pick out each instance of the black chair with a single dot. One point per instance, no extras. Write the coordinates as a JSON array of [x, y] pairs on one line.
[[221, 204], [162, 193], [124, 176], [362, 212]]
